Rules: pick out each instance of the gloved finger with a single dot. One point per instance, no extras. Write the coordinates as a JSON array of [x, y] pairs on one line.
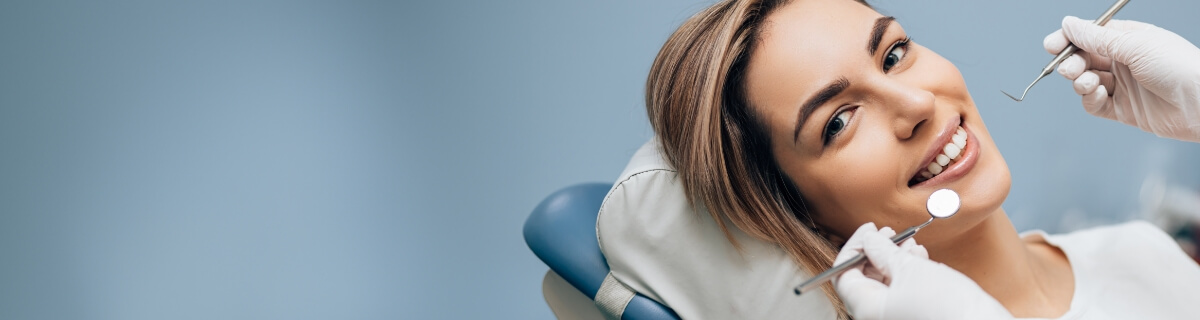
[[1127, 25], [1055, 42], [887, 232], [1086, 83], [1099, 104], [854, 244], [838, 277], [1101, 40], [910, 246], [919, 251], [880, 251], [1107, 79], [1095, 61], [864, 297], [1072, 67], [851, 274], [871, 271]]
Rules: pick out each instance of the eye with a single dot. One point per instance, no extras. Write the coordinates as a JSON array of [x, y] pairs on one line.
[[836, 124], [895, 54]]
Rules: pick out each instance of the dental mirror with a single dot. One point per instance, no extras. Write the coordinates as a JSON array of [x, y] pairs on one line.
[[942, 204]]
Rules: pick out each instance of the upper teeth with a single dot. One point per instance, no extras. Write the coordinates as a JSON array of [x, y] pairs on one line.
[[950, 152]]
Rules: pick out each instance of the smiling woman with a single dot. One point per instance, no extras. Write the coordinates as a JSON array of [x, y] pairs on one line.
[[798, 121]]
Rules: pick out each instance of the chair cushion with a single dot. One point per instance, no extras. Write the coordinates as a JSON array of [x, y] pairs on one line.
[[669, 251], [558, 231], [561, 232]]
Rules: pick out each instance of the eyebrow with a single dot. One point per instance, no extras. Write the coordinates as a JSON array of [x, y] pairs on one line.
[[837, 86], [831, 90], [881, 25]]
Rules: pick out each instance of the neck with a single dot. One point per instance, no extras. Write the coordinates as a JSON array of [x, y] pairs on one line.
[[1028, 282]]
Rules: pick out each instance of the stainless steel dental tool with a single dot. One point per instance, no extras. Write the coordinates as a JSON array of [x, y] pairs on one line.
[[942, 204], [1067, 52]]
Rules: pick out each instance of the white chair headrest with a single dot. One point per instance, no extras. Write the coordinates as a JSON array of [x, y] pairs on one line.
[[667, 250]]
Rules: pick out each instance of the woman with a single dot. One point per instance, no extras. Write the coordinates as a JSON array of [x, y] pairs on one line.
[[801, 121]]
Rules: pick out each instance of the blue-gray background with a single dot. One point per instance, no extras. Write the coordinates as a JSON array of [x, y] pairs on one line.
[[376, 159]]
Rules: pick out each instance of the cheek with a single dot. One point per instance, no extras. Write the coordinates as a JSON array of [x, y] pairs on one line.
[[939, 76], [854, 186]]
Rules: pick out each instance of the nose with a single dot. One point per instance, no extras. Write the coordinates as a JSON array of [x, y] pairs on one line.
[[912, 107]]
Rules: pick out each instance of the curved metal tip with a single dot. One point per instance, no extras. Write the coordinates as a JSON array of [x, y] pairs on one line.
[[1023, 93], [1012, 97]]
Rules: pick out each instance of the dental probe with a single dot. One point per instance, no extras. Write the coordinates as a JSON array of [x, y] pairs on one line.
[[1071, 48], [942, 204]]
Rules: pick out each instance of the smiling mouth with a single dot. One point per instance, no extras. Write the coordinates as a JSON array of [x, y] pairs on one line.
[[950, 154]]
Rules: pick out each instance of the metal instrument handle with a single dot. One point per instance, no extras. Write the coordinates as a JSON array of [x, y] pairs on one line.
[[854, 262]]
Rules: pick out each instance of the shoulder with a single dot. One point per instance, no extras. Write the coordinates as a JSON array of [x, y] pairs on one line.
[[1130, 242], [1130, 235], [1131, 270], [1134, 232]]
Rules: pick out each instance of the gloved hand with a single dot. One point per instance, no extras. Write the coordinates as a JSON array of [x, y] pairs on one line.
[[902, 283], [1135, 73]]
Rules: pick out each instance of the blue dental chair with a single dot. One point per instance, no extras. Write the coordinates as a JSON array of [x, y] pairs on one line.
[[561, 231]]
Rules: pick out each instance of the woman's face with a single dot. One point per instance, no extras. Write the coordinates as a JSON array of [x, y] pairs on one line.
[[856, 115]]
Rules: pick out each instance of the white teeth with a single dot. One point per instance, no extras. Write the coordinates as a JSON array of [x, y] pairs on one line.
[[952, 151], [934, 168], [959, 140]]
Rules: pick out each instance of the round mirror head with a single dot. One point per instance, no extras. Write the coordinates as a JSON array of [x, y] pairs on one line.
[[943, 203]]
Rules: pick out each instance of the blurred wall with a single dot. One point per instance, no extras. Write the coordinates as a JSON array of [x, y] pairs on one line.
[[376, 159]]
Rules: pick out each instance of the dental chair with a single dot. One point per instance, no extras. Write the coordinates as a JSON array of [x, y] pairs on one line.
[[638, 249], [562, 232]]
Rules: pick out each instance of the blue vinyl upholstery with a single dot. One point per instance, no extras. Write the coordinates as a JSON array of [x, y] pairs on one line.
[[562, 232]]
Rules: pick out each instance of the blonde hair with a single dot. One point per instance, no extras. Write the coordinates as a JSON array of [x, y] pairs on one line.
[[696, 102]]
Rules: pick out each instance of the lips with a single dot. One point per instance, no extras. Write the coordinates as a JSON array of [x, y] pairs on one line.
[[952, 154]]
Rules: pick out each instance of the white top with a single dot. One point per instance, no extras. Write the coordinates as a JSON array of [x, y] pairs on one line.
[[1128, 271]]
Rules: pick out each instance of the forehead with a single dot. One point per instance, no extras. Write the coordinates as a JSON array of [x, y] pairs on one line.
[[808, 43]]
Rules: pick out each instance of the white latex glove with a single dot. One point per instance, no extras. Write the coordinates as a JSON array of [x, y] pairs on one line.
[[900, 282], [1135, 73]]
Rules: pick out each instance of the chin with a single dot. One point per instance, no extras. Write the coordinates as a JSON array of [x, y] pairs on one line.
[[982, 183], [983, 191]]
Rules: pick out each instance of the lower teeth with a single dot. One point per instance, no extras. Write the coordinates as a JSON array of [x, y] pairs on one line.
[[925, 174]]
